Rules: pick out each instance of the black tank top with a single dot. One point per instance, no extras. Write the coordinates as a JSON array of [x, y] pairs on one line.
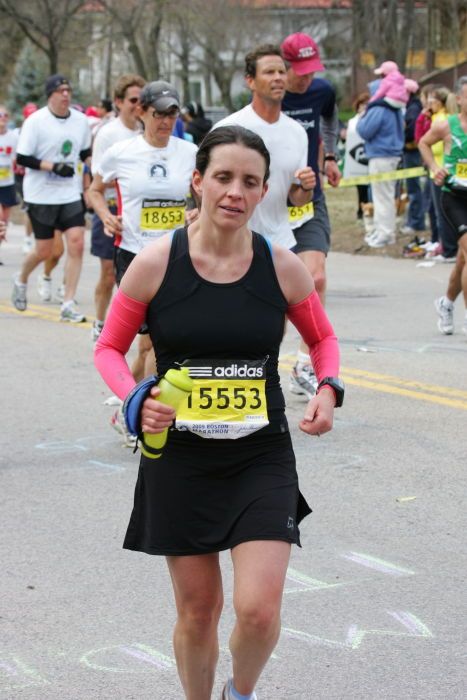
[[191, 318]]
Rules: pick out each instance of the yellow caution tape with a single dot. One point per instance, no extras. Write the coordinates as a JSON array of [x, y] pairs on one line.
[[402, 174]]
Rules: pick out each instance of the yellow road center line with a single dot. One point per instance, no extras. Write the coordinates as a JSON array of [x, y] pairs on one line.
[[444, 396], [42, 312], [407, 383], [419, 395]]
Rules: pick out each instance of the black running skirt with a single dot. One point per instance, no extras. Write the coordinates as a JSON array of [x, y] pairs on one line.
[[205, 496]]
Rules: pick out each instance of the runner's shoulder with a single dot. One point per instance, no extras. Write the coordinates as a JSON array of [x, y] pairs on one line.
[[292, 274], [147, 270]]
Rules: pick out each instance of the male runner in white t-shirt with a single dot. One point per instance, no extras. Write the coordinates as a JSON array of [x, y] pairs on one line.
[[124, 126], [52, 142], [286, 141]]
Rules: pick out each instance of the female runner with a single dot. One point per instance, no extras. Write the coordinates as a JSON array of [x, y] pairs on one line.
[[152, 172], [215, 296]]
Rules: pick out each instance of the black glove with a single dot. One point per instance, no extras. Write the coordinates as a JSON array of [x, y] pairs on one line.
[[63, 169]]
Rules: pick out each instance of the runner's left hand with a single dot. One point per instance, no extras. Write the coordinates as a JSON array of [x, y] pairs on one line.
[[332, 172], [319, 413]]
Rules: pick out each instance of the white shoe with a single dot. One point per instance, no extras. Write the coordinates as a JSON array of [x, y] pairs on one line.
[[18, 294], [69, 313], [464, 325], [380, 241], [408, 231], [430, 246], [96, 330], [226, 695], [303, 381], [369, 236], [27, 244], [44, 287], [446, 316]]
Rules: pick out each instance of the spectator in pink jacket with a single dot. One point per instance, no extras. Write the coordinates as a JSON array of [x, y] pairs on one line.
[[392, 87]]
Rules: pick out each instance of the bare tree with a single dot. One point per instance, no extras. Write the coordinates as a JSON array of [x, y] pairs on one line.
[[44, 23], [384, 26], [219, 35], [11, 43], [140, 23]]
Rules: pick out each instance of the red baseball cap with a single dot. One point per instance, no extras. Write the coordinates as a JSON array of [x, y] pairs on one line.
[[302, 53]]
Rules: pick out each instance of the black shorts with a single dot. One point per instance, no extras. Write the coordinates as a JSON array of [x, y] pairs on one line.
[[314, 234], [102, 246], [46, 218], [8, 196], [203, 496], [122, 260], [454, 208]]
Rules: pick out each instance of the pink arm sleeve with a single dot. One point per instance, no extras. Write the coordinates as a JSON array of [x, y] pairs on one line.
[[123, 321], [311, 321]]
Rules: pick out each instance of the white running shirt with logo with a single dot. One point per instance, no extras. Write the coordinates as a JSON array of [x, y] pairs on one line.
[[55, 139], [152, 186]]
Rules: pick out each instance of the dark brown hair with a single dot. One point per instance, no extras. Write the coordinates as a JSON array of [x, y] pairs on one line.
[[227, 135], [259, 52]]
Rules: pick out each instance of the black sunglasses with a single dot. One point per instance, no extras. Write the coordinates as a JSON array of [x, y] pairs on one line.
[[133, 100]]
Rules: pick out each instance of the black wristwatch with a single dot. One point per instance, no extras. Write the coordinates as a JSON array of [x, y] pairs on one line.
[[338, 386], [330, 156]]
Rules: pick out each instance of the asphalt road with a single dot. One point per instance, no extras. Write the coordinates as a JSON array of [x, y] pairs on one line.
[[375, 602]]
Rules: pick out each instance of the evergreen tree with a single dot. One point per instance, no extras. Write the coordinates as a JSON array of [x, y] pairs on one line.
[[27, 84]]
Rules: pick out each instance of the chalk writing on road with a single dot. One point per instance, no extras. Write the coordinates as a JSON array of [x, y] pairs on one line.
[[16, 674], [84, 444], [137, 658], [355, 635], [118, 658], [384, 567]]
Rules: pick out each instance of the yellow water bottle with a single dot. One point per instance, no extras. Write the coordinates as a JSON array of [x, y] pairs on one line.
[[175, 386]]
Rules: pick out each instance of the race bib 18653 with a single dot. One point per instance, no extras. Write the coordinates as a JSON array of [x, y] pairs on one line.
[[162, 214], [228, 398]]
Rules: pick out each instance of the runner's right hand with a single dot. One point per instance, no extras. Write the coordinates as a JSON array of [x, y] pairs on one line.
[[112, 224], [63, 169]]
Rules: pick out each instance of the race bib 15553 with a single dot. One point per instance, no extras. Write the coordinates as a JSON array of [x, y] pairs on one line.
[[228, 398]]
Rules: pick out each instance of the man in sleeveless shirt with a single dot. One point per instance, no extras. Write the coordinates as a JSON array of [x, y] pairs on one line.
[[452, 177]]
